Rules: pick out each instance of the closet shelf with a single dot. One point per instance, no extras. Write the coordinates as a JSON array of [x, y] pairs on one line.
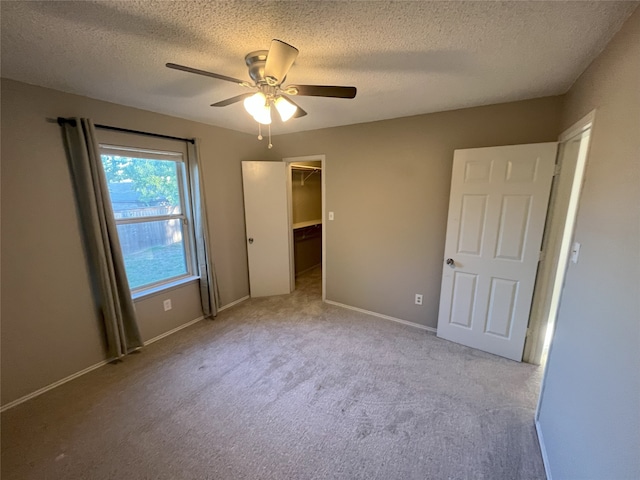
[[309, 223]]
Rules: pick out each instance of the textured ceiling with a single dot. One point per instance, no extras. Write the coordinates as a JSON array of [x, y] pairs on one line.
[[406, 58]]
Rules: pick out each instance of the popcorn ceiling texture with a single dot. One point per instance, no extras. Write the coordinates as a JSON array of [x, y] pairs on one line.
[[406, 58]]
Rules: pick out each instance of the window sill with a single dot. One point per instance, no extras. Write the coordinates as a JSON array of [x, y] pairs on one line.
[[157, 290]]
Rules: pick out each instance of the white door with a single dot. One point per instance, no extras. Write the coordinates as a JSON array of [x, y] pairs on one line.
[[497, 210], [266, 211]]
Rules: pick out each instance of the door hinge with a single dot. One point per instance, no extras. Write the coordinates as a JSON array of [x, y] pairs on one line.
[[541, 256], [556, 170]]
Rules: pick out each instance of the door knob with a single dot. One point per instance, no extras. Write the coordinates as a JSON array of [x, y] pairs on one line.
[[450, 262], [251, 240]]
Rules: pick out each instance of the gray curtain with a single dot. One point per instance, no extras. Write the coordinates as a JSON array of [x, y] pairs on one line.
[[94, 204], [208, 285]]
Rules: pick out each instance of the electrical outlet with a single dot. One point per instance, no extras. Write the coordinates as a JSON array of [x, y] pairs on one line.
[[418, 299], [167, 304], [330, 215]]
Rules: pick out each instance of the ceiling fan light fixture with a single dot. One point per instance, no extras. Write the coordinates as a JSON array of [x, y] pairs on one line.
[[285, 108], [255, 103], [263, 116], [258, 108]]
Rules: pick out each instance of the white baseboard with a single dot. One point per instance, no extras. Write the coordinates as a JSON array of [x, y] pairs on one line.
[[543, 450], [233, 304], [174, 330], [42, 390], [380, 315], [52, 386]]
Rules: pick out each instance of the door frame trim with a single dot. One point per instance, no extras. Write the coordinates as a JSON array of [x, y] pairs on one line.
[[533, 345], [580, 126], [588, 121], [323, 181]]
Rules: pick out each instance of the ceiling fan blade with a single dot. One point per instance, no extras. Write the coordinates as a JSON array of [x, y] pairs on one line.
[[322, 91], [299, 112], [205, 73], [279, 60], [232, 100]]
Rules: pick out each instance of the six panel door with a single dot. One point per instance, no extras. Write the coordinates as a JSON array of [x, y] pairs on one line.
[[497, 210], [266, 212]]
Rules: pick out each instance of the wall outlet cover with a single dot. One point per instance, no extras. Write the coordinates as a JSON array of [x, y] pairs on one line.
[[167, 304]]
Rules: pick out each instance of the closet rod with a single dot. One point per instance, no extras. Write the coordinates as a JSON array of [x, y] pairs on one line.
[[304, 167]]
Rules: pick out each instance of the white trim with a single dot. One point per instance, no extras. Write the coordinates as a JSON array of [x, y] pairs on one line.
[[577, 128], [534, 346], [292, 256], [380, 315], [323, 188], [174, 330], [118, 150], [543, 451], [42, 390], [162, 289], [73, 376], [323, 182], [306, 158], [234, 303], [586, 122]]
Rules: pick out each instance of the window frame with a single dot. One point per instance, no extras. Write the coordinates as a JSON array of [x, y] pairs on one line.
[[184, 217]]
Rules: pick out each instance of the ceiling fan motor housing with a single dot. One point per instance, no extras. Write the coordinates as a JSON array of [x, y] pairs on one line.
[[255, 62]]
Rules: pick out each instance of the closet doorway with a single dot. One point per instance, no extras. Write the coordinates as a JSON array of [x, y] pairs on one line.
[[306, 179]]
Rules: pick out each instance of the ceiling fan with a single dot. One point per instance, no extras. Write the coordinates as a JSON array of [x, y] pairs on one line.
[[268, 69]]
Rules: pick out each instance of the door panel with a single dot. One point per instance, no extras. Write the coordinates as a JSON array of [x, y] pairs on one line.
[[497, 209], [514, 220], [266, 209], [472, 220], [502, 296], [464, 293]]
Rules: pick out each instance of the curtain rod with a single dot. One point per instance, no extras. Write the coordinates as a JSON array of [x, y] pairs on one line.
[[62, 121]]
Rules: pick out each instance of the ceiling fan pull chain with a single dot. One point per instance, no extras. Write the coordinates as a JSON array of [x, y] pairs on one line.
[[259, 131], [270, 144]]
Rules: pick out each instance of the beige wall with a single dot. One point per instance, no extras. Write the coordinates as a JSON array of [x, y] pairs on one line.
[[306, 199], [50, 325], [590, 407], [388, 184]]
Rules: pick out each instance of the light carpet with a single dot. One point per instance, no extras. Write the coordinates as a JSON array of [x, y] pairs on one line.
[[285, 387]]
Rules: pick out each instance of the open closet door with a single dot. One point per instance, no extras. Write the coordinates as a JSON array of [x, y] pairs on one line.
[[497, 210], [266, 211]]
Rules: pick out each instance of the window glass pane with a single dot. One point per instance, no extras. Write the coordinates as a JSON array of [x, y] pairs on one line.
[[141, 187], [153, 251]]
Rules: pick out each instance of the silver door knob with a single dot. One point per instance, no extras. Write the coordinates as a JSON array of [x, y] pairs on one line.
[[450, 261], [251, 240]]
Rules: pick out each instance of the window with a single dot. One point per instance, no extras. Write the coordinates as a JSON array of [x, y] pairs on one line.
[[148, 190]]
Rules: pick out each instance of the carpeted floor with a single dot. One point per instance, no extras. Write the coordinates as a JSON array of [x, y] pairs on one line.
[[285, 388]]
